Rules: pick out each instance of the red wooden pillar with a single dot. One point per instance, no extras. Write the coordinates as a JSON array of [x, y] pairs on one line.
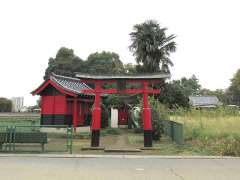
[[96, 113], [75, 113], [96, 116], [147, 121], [81, 122]]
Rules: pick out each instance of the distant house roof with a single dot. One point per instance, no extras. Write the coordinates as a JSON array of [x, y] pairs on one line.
[[203, 101], [67, 85]]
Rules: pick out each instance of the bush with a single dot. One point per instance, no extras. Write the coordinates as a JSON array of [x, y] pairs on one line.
[[159, 113]]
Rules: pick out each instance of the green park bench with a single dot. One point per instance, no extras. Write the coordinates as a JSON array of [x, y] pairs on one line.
[[23, 138]]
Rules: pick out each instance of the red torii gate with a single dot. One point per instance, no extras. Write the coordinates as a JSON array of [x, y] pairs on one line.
[[144, 80]]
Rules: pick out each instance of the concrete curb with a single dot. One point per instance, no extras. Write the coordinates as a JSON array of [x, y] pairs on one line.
[[122, 150], [113, 156]]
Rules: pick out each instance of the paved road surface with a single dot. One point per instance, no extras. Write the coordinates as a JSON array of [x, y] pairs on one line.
[[33, 168]]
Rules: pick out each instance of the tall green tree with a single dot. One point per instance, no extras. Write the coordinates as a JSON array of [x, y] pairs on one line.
[[65, 63], [233, 91], [5, 105], [104, 63], [152, 47], [190, 86], [176, 93], [130, 68], [173, 95]]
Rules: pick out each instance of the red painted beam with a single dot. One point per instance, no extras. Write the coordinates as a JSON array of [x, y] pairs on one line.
[[109, 91], [126, 91], [75, 114], [81, 114], [138, 91]]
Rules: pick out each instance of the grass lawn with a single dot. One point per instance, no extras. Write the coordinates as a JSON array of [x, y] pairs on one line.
[[19, 120]]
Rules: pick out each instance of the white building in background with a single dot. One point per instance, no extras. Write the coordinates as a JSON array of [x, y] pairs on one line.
[[17, 104]]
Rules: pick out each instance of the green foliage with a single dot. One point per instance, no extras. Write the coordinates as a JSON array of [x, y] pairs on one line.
[[190, 86], [176, 93], [5, 105], [130, 68], [104, 63], [65, 63], [233, 92], [236, 81], [114, 101], [172, 95], [159, 112], [152, 47]]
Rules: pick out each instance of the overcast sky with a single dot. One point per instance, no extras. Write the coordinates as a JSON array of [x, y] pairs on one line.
[[208, 36]]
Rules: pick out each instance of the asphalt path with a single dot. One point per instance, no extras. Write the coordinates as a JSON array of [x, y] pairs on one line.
[[43, 168]]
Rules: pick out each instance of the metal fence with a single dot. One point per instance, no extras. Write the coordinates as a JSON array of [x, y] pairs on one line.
[[174, 130], [36, 139]]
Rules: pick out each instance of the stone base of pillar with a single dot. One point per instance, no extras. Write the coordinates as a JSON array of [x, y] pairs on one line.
[[147, 138], [95, 138]]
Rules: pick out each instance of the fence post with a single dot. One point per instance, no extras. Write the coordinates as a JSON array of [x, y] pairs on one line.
[[69, 139], [172, 129], [10, 138], [13, 137]]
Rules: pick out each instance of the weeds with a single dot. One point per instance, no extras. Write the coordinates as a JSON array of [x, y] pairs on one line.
[[216, 128]]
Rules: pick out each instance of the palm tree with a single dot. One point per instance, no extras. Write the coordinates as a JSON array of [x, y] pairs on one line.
[[152, 47]]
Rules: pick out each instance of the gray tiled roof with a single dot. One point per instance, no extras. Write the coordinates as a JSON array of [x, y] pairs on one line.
[[70, 84], [203, 101]]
